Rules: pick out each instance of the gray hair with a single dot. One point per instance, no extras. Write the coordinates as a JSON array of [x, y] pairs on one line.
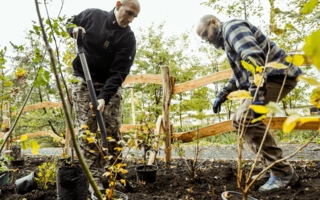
[[206, 18]]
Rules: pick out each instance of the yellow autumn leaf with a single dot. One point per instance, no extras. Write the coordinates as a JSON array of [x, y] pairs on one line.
[[84, 126], [297, 60], [34, 147], [24, 137], [290, 123], [111, 183], [118, 149], [109, 193], [315, 97], [110, 139], [34, 151], [259, 69], [90, 140], [259, 109], [20, 72], [258, 119], [118, 165], [257, 79], [92, 151], [248, 67], [123, 171], [3, 126], [312, 48], [310, 81], [123, 182], [304, 120], [106, 174], [240, 94], [276, 65]]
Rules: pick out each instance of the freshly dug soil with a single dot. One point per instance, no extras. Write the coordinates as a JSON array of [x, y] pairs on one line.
[[212, 179]]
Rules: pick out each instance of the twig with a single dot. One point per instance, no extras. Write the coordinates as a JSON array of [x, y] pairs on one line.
[[67, 114], [283, 159]]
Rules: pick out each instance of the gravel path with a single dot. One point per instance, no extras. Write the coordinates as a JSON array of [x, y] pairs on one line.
[[220, 152]]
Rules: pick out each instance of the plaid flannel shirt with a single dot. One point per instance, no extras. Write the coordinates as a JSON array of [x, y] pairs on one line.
[[243, 40]]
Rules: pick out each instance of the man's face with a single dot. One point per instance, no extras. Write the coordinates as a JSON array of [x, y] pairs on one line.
[[209, 32], [125, 13]]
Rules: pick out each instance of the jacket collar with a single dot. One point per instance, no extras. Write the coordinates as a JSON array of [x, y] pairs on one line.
[[112, 21]]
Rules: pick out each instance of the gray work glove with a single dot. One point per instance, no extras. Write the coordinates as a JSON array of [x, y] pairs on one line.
[[101, 104], [76, 30]]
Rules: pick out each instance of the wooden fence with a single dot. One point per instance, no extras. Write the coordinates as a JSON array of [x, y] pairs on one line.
[[169, 89]]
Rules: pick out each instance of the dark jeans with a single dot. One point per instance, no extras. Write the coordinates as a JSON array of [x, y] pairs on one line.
[[254, 131]]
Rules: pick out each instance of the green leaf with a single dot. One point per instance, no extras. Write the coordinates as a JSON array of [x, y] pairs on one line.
[[274, 107], [309, 6], [290, 26], [6, 96], [23, 145], [43, 78], [253, 61], [315, 97]]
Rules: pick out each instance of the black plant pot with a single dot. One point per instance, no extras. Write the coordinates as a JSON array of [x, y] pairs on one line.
[[4, 178], [72, 183], [147, 175], [17, 163], [25, 184], [231, 195], [116, 195], [16, 152]]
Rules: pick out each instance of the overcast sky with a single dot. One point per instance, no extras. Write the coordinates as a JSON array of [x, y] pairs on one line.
[[180, 15]]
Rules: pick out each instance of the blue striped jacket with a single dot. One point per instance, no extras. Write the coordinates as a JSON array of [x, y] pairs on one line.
[[243, 40]]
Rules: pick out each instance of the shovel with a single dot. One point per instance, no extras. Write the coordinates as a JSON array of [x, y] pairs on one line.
[[93, 96], [94, 101]]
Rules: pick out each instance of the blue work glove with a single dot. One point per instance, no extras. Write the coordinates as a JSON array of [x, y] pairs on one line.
[[220, 99]]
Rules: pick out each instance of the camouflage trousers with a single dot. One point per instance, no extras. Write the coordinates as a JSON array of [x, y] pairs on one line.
[[87, 126]]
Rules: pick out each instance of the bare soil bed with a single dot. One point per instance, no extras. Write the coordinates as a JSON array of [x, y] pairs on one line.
[[214, 177]]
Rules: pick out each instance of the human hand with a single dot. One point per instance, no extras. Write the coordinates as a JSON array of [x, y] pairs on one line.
[[101, 104], [221, 97], [76, 30], [217, 105]]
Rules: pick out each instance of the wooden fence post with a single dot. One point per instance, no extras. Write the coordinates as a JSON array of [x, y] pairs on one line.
[[167, 88], [132, 99]]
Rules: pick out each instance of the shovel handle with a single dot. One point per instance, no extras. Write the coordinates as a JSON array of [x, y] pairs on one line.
[[92, 92]]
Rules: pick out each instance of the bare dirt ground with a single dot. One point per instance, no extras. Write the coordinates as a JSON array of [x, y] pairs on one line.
[[216, 174]]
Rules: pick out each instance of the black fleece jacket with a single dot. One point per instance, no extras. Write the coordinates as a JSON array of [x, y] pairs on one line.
[[109, 49]]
